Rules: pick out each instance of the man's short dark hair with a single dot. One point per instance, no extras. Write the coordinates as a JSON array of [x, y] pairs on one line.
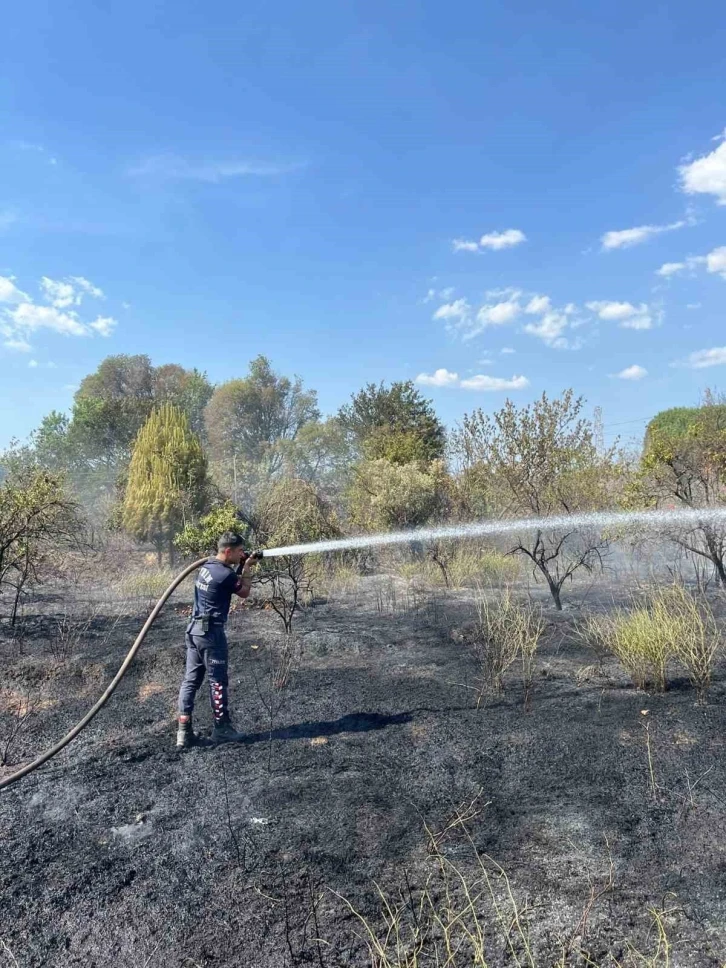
[[230, 539]]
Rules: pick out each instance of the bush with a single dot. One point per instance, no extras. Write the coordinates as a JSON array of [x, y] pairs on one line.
[[505, 631], [201, 538], [671, 624]]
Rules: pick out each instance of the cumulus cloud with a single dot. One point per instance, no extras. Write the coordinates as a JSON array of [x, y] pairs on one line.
[[706, 175], [22, 317], [538, 304], [500, 314], [625, 238], [480, 382], [634, 372], [716, 356], [104, 325], [440, 378], [13, 343], [550, 329], [716, 261], [9, 292], [670, 268], [625, 314], [486, 383], [492, 240], [68, 292], [506, 349], [173, 167], [458, 310], [32, 364]]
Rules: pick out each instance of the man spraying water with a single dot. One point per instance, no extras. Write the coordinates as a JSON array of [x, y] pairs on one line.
[[222, 576]]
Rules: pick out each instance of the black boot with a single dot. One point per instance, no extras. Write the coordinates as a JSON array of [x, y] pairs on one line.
[[185, 735], [224, 732]]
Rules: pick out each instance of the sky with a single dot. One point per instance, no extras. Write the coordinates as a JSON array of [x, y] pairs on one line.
[[493, 200]]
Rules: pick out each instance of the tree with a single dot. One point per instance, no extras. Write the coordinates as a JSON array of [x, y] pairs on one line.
[[541, 460], [291, 512], [321, 455], [247, 419], [384, 496], [167, 480], [201, 538], [393, 423], [36, 515], [684, 464], [189, 390], [110, 407]]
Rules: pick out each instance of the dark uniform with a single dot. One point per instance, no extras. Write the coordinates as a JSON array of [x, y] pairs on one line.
[[205, 638]]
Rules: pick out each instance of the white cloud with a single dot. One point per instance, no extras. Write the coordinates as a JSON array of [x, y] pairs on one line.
[[634, 372], [9, 292], [716, 261], [445, 378], [30, 317], [693, 305], [550, 329], [460, 309], [670, 268], [104, 325], [441, 378], [492, 240], [625, 313], [482, 382], [701, 359], [706, 175], [174, 167], [507, 349], [538, 304], [625, 238], [500, 314], [502, 240], [20, 345], [68, 292], [32, 363]]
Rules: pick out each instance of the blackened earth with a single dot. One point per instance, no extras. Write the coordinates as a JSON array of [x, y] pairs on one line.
[[124, 852]]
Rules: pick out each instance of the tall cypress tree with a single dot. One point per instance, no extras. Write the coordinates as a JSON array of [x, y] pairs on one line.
[[167, 481]]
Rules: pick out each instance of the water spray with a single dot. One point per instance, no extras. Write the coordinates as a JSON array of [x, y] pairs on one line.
[[599, 521]]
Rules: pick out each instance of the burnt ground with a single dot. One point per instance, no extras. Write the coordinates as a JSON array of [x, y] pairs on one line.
[[123, 852]]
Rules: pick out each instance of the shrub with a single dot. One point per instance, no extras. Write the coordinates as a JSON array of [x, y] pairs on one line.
[[671, 624], [506, 630]]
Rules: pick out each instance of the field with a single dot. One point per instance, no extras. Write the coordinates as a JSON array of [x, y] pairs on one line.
[[384, 809]]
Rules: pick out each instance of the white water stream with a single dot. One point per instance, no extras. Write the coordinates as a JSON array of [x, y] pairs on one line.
[[600, 520]]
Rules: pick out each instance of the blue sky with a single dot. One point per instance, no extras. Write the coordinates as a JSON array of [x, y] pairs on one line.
[[477, 196]]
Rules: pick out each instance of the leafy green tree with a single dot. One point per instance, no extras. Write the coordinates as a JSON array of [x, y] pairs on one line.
[[683, 465], [36, 516], [383, 496], [319, 454], [291, 511], [110, 407], [247, 419], [541, 460], [167, 479], [393, 423], [189, 390], [201, 538]]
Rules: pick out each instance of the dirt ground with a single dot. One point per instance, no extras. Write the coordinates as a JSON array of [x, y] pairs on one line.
[[124, 852]]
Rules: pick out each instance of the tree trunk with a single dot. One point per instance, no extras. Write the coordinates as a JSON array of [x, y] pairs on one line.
[[172, 551]]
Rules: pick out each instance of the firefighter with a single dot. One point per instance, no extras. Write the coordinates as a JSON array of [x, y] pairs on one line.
[[227, 573]]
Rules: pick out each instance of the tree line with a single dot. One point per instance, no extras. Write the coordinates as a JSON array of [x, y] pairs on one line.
[[164, 455]]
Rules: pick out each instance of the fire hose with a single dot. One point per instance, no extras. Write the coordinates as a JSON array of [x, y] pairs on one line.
[[49, 753]]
